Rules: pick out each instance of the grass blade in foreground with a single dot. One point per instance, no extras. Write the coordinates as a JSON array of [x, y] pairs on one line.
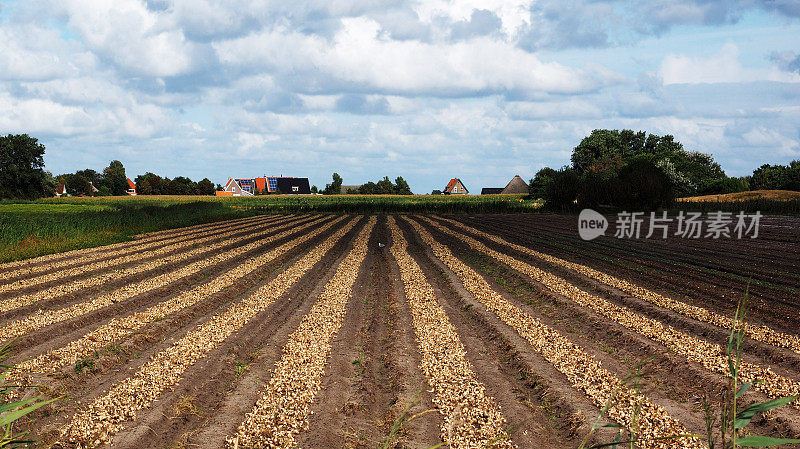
[[284, 407]]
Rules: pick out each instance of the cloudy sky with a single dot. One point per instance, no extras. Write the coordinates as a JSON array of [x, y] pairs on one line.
[[428, 90]]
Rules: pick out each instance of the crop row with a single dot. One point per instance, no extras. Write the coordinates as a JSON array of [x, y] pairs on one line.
[[582, 370], [51, 261], [118, 328], [42, 318], [760, 333], [164, 247], [26, 299], [106, 415], [707, 354], [285, 404], [471, 418]]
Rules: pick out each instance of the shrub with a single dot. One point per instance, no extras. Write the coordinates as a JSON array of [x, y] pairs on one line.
[[725, 185], [643, 186], [536, 188], [561, 190]]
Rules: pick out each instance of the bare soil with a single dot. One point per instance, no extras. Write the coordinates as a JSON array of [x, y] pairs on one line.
[[372, 381]]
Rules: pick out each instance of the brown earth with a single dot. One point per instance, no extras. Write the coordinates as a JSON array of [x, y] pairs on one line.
[[373, 374]]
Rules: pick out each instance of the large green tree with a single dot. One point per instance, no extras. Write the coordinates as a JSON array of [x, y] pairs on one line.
[[205, 187], [335, 187], [536, 188], [607, 151], [82, 181], [401, 187], [776, 177], [115, 178], [22, 172]]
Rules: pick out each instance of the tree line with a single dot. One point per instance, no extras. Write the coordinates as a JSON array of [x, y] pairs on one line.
[[627, 169], [383, 187], [22, 176]]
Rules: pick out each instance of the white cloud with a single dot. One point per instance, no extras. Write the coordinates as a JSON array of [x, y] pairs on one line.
[[36, 53], [723, 67], [512, 13], [570, 109], [137, 40], [415, 88], [362, 59], [773, 140]]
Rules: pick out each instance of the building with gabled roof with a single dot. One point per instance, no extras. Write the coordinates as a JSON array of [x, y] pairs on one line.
[[131, 188], [232, 188], [455, 187], [275, 184]]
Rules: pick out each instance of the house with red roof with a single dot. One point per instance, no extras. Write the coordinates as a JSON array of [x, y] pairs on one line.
[[455, 187], [131, 188]]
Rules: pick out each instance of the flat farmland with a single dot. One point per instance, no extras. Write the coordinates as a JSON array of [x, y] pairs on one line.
[[400, 331]]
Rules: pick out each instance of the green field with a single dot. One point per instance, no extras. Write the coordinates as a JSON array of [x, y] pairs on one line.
[[51, 225]]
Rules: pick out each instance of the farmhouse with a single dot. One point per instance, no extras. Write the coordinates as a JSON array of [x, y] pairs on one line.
[[267, 184], [491, 190], [131, 188], [232, 188], [455, 187], [61, 189], [516, 185], [291, 186]]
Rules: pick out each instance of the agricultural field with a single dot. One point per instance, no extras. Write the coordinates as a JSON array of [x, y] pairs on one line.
[[401, 331], [51, 225]]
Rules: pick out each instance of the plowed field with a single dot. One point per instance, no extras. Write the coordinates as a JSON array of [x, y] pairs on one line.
[[402, 331]]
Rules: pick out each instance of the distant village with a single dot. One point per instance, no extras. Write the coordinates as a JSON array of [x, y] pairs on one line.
[[288, 185], [300, 186]]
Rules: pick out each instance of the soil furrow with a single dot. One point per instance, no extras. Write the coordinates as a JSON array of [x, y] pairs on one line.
[[668, 378], [471, 418], [51, 260], [285, 405], [216, 393], [108, 414], [372, 378], [178, 253], [760, 333], [42, 319], [118, 328], [87, 263], [709, 355], [583, 371]]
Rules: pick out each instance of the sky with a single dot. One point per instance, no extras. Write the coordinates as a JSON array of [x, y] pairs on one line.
[[427, 90]]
